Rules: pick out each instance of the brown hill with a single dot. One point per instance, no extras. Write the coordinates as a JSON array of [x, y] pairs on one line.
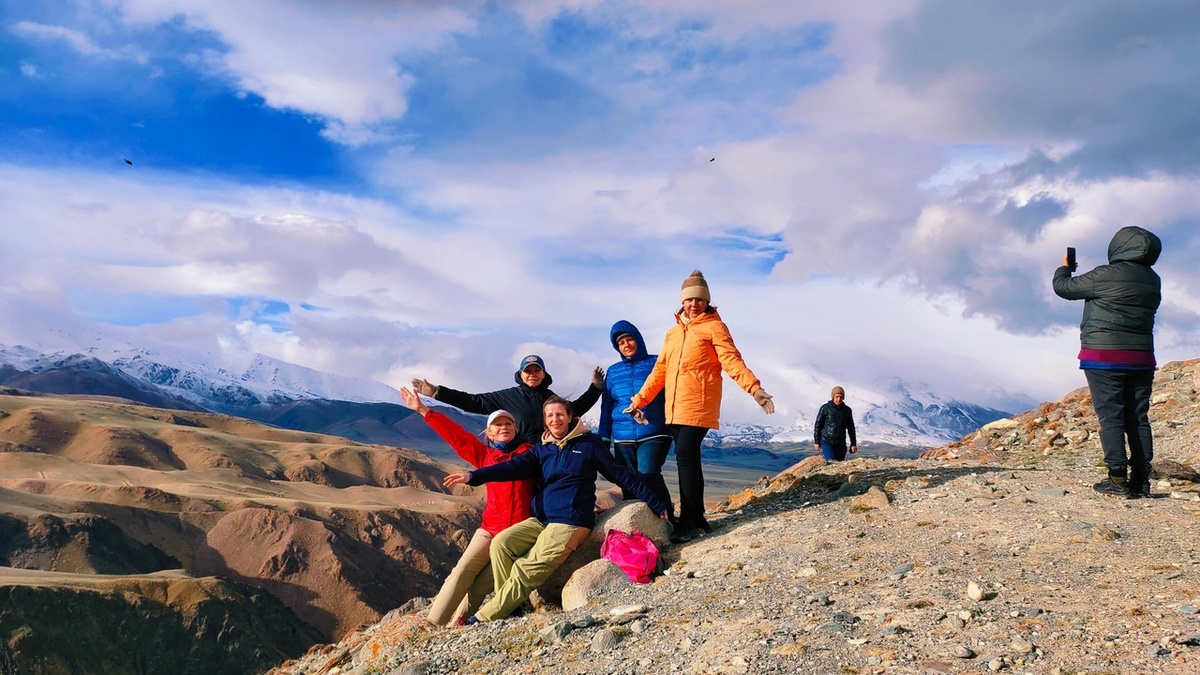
[[338, 531]]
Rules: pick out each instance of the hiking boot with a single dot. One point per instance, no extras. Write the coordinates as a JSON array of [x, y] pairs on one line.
[[1108, 487]]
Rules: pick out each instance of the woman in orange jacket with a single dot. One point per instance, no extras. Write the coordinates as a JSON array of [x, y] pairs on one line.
[[694, 353], [507, 503]]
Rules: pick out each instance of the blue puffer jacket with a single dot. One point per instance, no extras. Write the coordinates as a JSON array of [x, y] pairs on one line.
[[623, 380]]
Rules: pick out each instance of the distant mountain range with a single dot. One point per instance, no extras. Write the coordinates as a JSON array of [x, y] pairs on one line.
[[900, 415]]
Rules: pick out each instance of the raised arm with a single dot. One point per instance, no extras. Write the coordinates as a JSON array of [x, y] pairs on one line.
[[480, 404]]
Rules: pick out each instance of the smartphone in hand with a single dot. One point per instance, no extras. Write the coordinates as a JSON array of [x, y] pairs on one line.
[[1071, 264]]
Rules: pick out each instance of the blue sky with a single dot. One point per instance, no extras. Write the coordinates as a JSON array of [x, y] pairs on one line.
[[391, 189]]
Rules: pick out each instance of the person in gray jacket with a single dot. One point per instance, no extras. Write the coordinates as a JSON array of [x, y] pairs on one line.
[[1117, 353]]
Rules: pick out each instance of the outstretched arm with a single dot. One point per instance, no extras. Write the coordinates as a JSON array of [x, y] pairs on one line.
[[480, 404], [588, 399]]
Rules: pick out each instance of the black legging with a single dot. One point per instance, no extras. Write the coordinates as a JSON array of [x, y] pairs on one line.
[[691, 476]]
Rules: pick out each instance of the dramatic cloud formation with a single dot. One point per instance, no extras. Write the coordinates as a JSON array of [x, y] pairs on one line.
[[392, 189]]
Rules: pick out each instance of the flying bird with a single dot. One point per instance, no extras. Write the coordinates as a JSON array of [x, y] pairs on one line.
[[130, 163], [711, 160]]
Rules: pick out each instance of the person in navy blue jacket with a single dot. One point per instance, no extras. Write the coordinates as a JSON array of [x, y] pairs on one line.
[[643, 447], [566, 463]]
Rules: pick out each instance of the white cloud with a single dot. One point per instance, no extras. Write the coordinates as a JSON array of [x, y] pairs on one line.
[[337, 61], [77, 41]]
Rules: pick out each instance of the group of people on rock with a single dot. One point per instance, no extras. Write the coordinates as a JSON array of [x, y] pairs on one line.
[[541, 461]]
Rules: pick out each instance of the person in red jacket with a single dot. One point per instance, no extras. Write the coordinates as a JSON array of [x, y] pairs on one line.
[[507, 503]]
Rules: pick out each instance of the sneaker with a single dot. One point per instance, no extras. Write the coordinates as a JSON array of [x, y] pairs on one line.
[[1139, 489], [1108, 487]]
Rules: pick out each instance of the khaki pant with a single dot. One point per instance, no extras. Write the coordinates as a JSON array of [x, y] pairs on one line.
[[468, 584], [523, 557]]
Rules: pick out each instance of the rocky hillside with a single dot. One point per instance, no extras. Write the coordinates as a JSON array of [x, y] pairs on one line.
[[992, 554], [239, 542]]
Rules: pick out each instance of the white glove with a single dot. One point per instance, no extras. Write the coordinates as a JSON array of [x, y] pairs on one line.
[[637, 414]]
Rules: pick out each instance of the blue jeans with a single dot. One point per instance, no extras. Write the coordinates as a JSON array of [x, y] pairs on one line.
[[646, 457], [1122, 402], [833, 453]]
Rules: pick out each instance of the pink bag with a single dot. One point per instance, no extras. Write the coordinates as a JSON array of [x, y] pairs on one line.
[[635, 554]]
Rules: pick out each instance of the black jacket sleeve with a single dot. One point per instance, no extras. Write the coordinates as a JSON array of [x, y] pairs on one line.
[[850, 426], [585, 402], [480, 404], [819, 423]]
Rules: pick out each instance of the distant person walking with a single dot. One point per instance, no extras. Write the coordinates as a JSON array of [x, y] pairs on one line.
[[565, 463], [524, 401], [834, 421], [507, 503], [1117, 353], [694, 352], [643, 447]]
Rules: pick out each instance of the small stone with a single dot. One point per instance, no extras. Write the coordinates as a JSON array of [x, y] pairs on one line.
[[1021, 646], [807, 572], [963, 652], [1052, 492], [1104, 533], [584, 622], [1187, 609], [974, 592], [604, 640], [901, 571], [628, 609], [556, 632], [995, 665], [938, 667], [956, 623]]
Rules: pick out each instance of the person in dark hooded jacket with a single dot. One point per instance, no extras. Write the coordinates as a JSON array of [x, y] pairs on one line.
[[643, 447], [1117, 353], [524, 401]]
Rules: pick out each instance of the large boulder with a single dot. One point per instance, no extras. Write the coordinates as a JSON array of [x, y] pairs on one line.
[[595, 579], [631, 516]]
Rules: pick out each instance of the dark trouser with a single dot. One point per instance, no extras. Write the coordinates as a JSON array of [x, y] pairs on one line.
[[833, 453], [1122, 402], [646, 457], [691, 476]]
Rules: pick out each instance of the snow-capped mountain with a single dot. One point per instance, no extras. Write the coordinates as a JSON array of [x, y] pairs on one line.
[[896, 413], [221, 387]]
